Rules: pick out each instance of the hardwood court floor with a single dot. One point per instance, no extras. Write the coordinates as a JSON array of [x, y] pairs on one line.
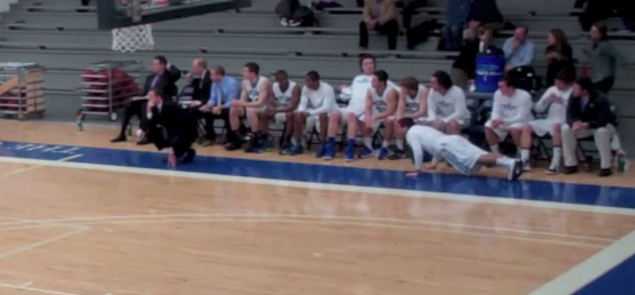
[[98, 136], [75, 231]]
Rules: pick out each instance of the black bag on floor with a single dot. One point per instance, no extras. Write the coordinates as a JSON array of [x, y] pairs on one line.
[[420, 33]]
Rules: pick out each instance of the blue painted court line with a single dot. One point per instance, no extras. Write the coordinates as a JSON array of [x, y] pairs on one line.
[[569, 193]]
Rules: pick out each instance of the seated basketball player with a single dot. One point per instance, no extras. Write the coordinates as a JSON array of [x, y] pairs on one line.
[[171, 127], [286, 96], [455, 150], [165, 76], [555, 101], [381, 103], [447, 111], [316, 102], [412, 104], [256, 96], [358, 90], [510, 113]]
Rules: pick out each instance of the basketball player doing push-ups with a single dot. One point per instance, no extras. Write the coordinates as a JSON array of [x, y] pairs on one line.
[[457, 151]]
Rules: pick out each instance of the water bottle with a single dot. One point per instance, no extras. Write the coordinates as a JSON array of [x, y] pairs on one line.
[[622, 164]]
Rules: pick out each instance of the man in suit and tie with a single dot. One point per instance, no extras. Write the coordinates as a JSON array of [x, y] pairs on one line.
[[164, 77], [224, 90], [171, 127], [588, 114], [200, 81]]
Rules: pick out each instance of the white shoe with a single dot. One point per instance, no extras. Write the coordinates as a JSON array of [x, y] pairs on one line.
[[526, 166], [515, 170]]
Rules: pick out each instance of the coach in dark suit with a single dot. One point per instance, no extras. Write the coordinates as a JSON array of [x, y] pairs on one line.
[[202, 84], [164, 77], [588, 114], [171, 127]]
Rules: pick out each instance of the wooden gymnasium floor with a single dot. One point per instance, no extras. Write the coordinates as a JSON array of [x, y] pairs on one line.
[[79, 216]]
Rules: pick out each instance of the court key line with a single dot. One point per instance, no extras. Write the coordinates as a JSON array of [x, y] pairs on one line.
[[69, 158], [37, 290], [325, 186], [43, 242], [90, 220]]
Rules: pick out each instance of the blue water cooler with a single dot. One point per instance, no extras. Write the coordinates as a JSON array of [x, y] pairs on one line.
[[490, 69]]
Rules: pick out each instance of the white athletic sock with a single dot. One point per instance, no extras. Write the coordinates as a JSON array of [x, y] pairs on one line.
[[385, 144], [368, 142], [524, 155], [555, 159], [494, 149], [294, 141], [400, 144], [504, 162]]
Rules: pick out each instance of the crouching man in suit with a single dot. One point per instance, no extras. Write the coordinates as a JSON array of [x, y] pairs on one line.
[[171, 127]]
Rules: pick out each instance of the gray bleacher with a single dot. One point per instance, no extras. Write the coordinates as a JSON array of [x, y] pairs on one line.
[[54, 34]]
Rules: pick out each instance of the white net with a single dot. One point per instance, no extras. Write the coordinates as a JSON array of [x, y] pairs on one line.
[[131, 39]]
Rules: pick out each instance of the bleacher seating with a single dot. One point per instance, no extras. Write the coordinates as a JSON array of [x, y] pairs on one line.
[[57, 35]]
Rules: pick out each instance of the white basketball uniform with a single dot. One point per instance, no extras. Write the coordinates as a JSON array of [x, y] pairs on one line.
[[316, 102], [556, 113], [413, 103], [281, 99], [358, 89], [454, 149], [253, 90], [450, 106], [515, 112], [380, 103]]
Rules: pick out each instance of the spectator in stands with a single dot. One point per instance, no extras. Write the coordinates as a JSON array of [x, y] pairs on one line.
[[554, 101], [603, 58], [200, 81], [255, 97], [224, 90], [519, 51], [381, 103], [317, 101], [447, 111], [356, 105], [409, 7], [171, 127], [594, 11], [559, 55], [412, 104], [588, 114], [164, 77], [286, 96], [483, 13], [456, 16], [464, 66], [511, 111], [380, 16]]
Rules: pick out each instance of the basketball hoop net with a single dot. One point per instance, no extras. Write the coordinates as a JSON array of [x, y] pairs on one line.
[[134, 38]]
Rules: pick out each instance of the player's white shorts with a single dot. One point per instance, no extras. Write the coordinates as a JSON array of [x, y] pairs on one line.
[[460, 154], [247, 111], [344, 114], [279, 118], [502, 131], [376, 123], [462, 122], [543, 127]]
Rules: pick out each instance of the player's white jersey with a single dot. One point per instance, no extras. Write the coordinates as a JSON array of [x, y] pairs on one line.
[[426, 138], [282, 98], [413, 103], [253, 90], [514, 109], [556, 112], [380, 100]]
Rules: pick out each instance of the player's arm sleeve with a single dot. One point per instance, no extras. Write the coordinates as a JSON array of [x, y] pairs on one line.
[[496, 108], [459, 109], [523, 113], [328, 102], [304, 100], [542, 104], [417, 150]]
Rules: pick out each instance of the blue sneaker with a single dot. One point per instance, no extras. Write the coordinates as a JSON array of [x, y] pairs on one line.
[[329, 152], [285, 150], [365, 153], [349, 153], [383, 153], [321, 151], [297, 150]]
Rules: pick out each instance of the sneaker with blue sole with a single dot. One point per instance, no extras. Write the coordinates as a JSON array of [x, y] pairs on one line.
[[264, 148], [321, 151], [383, 153], [349, 153], [329, 152], [286, 151], [297, 150], [365, 153]]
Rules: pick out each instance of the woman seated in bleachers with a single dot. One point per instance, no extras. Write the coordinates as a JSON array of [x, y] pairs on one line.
[[559, 55]]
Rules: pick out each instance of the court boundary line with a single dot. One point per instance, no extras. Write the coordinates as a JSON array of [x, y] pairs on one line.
[[328, 187], [18, 171], [590, 269]]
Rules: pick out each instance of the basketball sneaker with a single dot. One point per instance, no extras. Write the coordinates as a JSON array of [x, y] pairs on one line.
[[365, 153], [349, 153], [321, 151], [329, 152], [383, 153]]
